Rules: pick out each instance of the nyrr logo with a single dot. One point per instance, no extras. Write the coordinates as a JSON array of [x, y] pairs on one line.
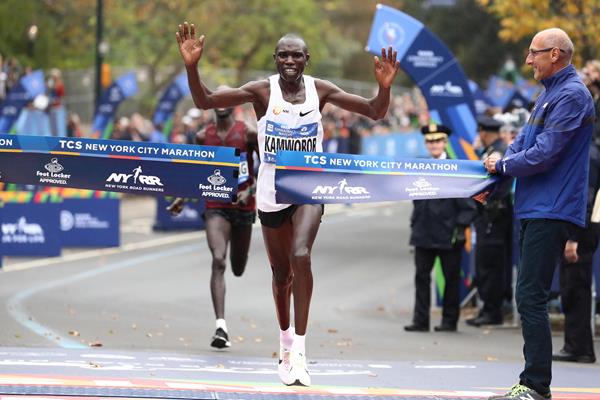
[[447, 90], [342, 188], [22, 232], [148, 180]]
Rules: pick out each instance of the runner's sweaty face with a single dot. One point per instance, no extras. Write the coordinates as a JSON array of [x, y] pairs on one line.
[[290, 59]]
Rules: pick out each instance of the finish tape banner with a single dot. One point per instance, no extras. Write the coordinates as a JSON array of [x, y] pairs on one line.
[[160, 169], [304, 178]]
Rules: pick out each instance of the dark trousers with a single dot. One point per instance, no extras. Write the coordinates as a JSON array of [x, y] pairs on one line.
[[542, 243], [450, 260], [490, 270], [576, 297]]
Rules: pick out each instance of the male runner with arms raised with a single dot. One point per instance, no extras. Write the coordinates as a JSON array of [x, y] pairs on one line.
[[288, 108]]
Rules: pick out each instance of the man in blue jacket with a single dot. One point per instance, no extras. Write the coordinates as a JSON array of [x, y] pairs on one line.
[[550, 159]]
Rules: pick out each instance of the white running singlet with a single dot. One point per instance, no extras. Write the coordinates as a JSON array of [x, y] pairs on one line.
[[285, 126]]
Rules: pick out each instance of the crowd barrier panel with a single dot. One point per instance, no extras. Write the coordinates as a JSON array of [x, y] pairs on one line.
[[189, 218], [90, 222], [31, 229]]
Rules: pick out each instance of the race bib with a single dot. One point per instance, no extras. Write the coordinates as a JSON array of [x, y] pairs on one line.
[[280, 137], [244, 173]]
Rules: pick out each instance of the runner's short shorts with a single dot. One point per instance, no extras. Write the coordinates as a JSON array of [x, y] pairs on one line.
[[234, 216], [276, 218]]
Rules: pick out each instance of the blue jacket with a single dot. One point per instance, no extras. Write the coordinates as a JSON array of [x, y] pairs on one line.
[[550, 156]]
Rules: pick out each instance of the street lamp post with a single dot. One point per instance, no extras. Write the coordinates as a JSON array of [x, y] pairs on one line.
[[32, 33]]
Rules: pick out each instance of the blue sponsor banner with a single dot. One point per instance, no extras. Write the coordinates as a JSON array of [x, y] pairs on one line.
[[28, 87], [427, 60], [189, 218], [303, 178], [89, 223], [121, 166], [165, 108], [30, 229], [124, 87]]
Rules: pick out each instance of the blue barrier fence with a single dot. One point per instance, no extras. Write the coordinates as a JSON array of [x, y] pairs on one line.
[[189, 218], [89, 222], [30, 229]]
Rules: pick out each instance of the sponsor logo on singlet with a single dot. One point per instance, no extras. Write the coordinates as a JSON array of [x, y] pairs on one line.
[[278, 110], [281, 137]]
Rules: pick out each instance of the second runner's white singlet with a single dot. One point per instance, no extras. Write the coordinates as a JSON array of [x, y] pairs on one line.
[[285, 126]]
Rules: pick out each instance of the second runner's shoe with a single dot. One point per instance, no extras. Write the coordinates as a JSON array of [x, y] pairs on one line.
[[220, 340]]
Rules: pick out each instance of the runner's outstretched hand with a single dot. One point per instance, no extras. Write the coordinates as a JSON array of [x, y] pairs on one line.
[[190, 48], [176, 206], [387, 67]]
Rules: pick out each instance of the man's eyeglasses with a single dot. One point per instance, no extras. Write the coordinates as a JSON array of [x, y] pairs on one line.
[[533, 53]]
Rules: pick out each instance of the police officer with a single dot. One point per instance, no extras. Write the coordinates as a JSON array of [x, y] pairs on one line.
[[438, 230], [493, 227]]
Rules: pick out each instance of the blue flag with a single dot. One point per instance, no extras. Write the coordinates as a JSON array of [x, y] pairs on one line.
[[482, 102], [28, 87], [503, 93], [122, 88], [165, 108]]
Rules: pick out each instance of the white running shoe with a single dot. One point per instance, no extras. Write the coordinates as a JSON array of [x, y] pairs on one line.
[[299, 371], [285, 366]]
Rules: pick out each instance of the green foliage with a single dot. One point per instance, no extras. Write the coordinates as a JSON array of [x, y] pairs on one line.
[[65, 32], [523, 19], [241, 34]]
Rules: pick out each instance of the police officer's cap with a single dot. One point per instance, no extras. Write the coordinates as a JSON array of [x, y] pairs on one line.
[[488, 124], [435, 131]]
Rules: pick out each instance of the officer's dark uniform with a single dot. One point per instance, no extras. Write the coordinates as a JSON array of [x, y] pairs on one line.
[[438, 230], [493, 228], [576, 280]]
